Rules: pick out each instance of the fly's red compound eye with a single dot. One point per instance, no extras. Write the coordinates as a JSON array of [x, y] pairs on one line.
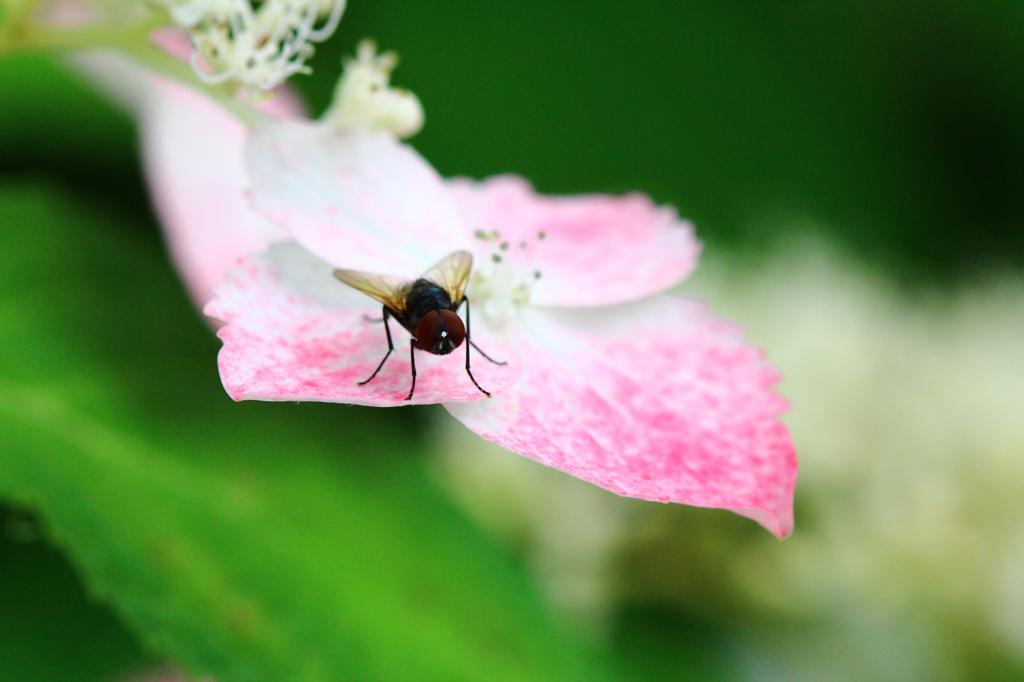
[[440, 332], [453, 325]]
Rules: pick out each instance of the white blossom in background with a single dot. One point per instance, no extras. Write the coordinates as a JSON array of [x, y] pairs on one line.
[[909, 421], [256, 47], [363, 98], [908, 416]]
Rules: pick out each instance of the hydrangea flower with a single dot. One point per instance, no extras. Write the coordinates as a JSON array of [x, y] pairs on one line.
[[610, 376]]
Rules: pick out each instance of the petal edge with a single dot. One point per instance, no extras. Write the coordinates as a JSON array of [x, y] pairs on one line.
[[652, 399]]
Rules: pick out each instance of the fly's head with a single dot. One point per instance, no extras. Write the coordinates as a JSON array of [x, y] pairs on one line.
[[440, 332]]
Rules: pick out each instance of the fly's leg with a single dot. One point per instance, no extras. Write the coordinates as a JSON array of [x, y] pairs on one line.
[[486, 355], [412, 360], [391, 347], [372, 320], [466, 301], [469, 343]]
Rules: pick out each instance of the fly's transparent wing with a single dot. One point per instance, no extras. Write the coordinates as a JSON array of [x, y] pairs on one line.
[[387, 289], [451, 273]]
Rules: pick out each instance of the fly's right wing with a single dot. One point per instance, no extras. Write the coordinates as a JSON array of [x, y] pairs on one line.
[[389, 290], [451, 273]]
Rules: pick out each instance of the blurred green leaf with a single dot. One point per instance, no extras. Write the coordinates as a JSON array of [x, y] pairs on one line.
[[49, 630], [247, 541], [654, 643], [55, 124]]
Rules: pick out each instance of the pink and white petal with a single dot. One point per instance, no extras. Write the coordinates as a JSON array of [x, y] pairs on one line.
[[194, 159], [652, 399], [193, 152], [597, 249], [296, 333], [359, 200]]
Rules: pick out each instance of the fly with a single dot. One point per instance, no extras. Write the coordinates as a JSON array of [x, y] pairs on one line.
[[426, 307]]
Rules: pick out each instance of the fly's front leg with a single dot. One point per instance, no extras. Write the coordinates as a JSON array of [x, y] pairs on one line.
[[391, 347], [469, 343], [412, 360]]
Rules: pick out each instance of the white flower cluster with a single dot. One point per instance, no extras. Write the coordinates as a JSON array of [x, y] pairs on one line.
[[256, 45], [363, 98]]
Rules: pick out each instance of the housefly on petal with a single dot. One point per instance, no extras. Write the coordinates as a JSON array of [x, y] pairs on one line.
[[426, 307]]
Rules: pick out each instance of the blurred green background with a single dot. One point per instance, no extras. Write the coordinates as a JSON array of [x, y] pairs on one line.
[[892, 130]]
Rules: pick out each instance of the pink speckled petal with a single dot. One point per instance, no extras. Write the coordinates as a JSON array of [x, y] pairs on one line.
[[597, 250], [296, 333], [651, 399], [359, 200]]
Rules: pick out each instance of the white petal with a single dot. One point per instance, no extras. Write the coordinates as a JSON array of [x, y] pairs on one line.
[[359, 200]]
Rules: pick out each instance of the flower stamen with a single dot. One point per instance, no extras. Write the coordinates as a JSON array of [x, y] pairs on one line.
[[256, 45], [502, 283]]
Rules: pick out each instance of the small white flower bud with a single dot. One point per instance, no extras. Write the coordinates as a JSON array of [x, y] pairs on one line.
[[364, 99]]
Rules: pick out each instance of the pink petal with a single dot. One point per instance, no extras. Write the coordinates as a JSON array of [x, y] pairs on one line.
[[174, 41], [296, 333], [193, 154], [597, 250], [359, 200], [652, 400]]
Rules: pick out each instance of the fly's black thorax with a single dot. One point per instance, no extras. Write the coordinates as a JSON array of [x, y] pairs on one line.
[[424, 296]]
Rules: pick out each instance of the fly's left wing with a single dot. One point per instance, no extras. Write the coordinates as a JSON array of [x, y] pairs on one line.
[[452, 274], [387, 289]]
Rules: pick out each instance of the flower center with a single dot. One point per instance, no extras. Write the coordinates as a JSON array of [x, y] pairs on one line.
[[503, 279]]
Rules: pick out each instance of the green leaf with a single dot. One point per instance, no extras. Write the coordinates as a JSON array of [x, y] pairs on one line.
[[50, 631], [251, 541], [52, 122]]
